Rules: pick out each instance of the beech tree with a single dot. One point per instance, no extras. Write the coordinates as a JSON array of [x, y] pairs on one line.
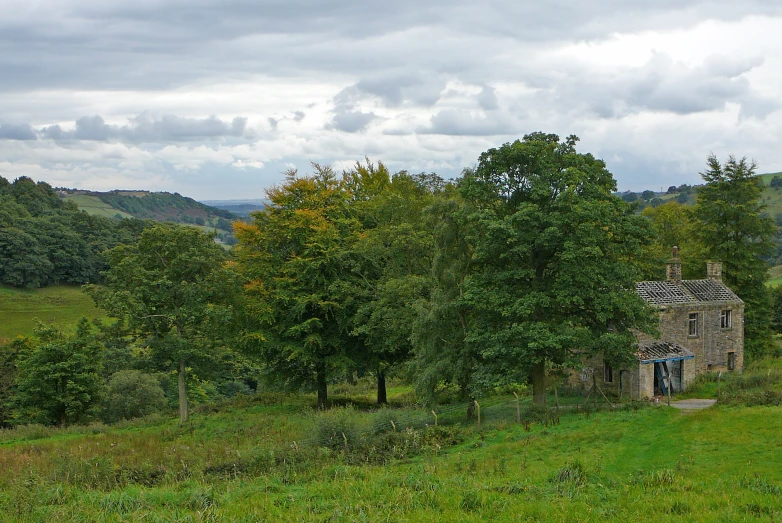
[[173, 289], [553, 279], [737, 233], [294, 257]]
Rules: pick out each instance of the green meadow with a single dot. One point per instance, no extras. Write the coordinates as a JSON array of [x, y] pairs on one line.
[[271, 457], [95, 206], [57, 304]]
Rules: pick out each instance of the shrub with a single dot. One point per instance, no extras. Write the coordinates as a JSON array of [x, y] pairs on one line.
[[132, 394], [335, 426]]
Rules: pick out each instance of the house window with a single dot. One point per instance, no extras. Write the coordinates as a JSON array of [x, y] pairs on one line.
[[608, 373], [726, 322], [692, 329], [731, 360]]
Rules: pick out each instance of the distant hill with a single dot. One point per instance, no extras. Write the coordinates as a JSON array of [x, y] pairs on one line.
[[240, 207], [158, 206], [687, 194]]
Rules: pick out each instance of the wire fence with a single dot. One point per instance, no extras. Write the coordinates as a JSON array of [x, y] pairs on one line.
[[337, 424]]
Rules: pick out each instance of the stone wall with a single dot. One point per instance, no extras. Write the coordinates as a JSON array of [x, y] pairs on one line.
[[712, 344]]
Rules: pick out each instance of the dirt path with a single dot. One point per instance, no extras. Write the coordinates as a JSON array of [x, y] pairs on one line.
[[693, 405]]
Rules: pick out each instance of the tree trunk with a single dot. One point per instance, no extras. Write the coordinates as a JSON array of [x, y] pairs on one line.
[[183, 412], [322, 386], [382, 398], [539, 383]]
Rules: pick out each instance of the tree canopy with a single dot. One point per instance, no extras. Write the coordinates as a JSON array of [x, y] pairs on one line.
[[554, 260], [172, 287]]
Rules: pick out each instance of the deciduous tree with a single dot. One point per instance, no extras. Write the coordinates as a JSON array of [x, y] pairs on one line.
[[554, 251], [295, 255], [59, 380], [173, 288]]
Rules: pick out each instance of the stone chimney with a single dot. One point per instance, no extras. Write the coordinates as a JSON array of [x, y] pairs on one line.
[[673, 269], [714, 270]]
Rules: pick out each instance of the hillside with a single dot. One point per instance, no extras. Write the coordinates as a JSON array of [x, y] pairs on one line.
[[687, 194], [61, 305], [158, 206]]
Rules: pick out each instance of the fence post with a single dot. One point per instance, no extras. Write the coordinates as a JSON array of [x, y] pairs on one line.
[[435, 417], [478, 410], [518, 409], [719, 384]]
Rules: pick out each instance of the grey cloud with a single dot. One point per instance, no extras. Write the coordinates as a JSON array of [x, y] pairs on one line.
[[9, 131], [487, 98], [298, 116], [347, 115], [351, 121], [463, 123], [94, 45], [146, 128], [398, 88], [660, 85]]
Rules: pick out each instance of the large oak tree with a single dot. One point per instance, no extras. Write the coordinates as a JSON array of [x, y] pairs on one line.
[[553, 277]]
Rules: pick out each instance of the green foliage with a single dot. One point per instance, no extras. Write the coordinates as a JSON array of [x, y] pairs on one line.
[[163, 206], [45, 240], [552, 278], [673, 224], [174, 290], [132, 394], [336, 428], [776, 311], [444, 355], [736, 231], [59, 379], [296, 257], [10, 355], [393, 257]]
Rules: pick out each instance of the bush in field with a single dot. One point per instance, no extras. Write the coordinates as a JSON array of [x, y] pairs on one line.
[[132, 394], [334, 426]]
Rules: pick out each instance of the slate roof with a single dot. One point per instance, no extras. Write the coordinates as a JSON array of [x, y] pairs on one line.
[[690, 291], [662, 350]]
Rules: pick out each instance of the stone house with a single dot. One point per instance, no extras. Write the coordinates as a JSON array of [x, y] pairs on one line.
[[701, 330]]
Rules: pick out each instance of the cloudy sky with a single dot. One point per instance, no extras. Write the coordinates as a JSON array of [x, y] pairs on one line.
[[214, 99]]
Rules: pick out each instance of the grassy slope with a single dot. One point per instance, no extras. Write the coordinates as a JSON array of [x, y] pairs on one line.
[[60, 304], [723, 464], [93, 205]]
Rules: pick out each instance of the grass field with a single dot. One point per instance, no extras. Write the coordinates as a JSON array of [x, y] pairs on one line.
[[774, 276], [58, 304], [93, 205], [270, 457]]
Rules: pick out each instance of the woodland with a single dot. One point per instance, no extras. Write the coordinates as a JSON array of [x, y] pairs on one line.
[[504, 277]]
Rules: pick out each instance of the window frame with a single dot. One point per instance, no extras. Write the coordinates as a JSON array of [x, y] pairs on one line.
[[608, 372], [726, 319], [731, 361], [693, 319]]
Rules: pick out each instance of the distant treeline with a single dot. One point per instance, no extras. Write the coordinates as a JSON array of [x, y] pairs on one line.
[[46, 240]]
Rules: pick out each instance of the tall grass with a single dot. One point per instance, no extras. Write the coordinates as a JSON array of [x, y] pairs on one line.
[[275, 458]]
